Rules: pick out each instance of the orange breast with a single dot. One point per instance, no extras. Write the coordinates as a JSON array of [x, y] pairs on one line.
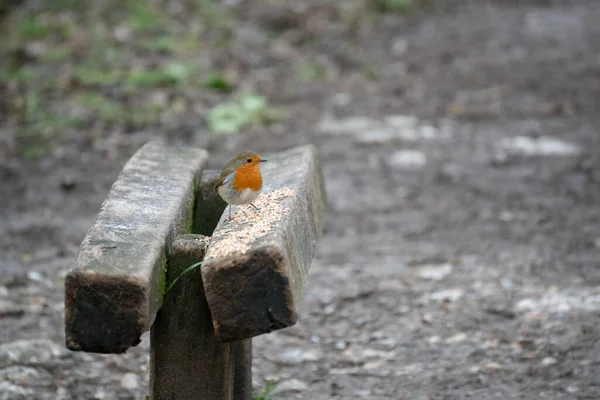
[[248, 177]]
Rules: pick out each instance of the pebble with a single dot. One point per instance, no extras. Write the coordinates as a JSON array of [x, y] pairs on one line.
[[100, 395], [493, 367], [312, 355], [130, 381], [572, 389], [340, 345], [408, 159], [458, 338], [29, 352], [359, 354], [401, 121], [435, 272], [447, 295], [25, 376], [369, 130], [290, 357], [34, 276], [399, 46], [407, 370], [388, 343], [376, 135], [548, 361], [543, 146], [346, 125], [10, 391], [290, 385], [9, 309]]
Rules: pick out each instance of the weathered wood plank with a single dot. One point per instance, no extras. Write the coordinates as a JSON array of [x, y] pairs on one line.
[[114, 288], [256, 265], [186, 361]]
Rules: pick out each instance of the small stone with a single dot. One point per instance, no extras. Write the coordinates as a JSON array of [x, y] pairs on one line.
[[407, 159], [340, 345], [130, 381], [25, 376], [388, 343], [374, 364], [312, 355], [403, 309], [100, 395], [341, 99], [433, 339], [506, 216], [407, 370], [358, 354], [376, 135], [29, 352], [548, 361], [458, 338], [427, 318], [34, 276], [402, 121], [10, 391], [447, 295], [493, 367], [36, 48], [290, 385], [346, 125], [290, 357], [9, 309], [123, 33], [572, 389], [399, 46], [543, 146], [428, 132], [435, 272], [329, 309], [68, 182]]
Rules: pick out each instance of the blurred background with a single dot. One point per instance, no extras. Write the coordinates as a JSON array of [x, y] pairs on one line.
[[460, 146]]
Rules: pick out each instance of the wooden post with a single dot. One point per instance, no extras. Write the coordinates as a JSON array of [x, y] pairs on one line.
[[242, 369], [186, 361]]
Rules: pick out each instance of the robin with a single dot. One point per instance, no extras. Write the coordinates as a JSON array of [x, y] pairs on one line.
[[240, 181]]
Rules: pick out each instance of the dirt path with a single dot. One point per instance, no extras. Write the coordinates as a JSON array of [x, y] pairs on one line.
[[461, 256]]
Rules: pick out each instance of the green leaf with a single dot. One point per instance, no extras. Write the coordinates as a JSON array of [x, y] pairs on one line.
[[188, 269]]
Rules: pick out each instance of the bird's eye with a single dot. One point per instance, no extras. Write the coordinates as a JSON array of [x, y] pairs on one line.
[[249, 160]]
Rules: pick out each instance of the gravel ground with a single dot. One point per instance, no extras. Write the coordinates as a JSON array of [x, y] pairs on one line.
[[459, 143]]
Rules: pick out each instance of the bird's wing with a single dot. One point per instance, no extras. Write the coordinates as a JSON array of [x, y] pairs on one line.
[[225, 177]]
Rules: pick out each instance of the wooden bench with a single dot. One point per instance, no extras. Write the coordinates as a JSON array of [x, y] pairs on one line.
[[162, 216]]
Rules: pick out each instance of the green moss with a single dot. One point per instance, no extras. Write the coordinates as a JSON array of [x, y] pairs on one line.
[[163, 281], [266, 394]]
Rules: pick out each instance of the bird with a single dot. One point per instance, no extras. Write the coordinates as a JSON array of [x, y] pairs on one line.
[[240, 181]]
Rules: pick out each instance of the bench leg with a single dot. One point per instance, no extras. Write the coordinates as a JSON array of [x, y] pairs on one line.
[[186, 361], [242, 369]]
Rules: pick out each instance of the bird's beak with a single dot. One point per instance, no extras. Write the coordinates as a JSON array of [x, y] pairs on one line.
[[263, 160]]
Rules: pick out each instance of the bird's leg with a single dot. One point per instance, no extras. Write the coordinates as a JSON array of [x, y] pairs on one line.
[[229, 219]]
